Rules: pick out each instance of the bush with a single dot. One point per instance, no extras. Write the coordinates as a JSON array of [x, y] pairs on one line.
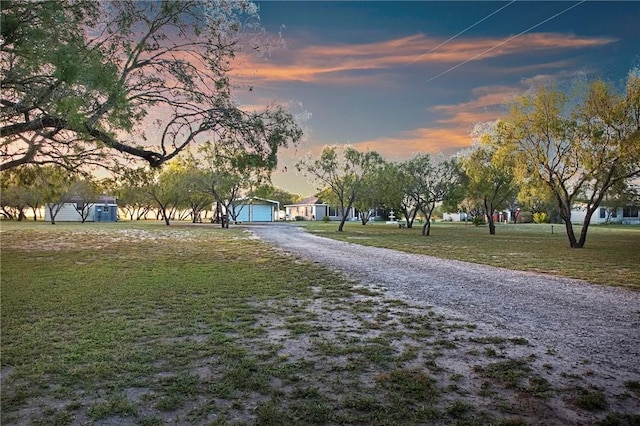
[[326, 219], [540, 217], [299, 218], [478, 220]]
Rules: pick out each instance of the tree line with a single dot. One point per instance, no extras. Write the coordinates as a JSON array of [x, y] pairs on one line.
[[552, 152], [121, 85]]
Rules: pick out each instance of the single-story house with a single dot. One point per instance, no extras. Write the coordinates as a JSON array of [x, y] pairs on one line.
[[499, 216], [313, 208], [104, 209], [454, 217], [628, 215], [255, 209]]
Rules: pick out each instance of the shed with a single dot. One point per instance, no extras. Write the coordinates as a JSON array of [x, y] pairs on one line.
[[255, 209], [104, 209]]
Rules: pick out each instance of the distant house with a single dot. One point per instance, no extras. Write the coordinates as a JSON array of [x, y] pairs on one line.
[[454, 217], [104, 209], [628, 215], [313, 208], [254, 209]]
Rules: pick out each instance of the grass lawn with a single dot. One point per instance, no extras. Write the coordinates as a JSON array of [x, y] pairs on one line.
[[139, 323], [611, 255]]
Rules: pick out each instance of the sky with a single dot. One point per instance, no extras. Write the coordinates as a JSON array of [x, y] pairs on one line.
[[409, 77]]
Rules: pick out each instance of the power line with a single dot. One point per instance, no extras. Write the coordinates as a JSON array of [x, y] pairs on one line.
[[461, 32], [505, 41]]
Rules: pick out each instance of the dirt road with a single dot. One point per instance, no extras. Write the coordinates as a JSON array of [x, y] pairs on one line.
[[579, 322]]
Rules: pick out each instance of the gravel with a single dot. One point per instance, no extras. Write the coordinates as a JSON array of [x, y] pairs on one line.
[[579, 322]]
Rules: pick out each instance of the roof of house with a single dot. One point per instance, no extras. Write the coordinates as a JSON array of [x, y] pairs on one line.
[[309, 201], [243, 199]]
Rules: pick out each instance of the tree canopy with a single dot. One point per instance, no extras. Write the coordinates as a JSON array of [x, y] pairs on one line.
[[344, 171], [83, 81], [578, 147]]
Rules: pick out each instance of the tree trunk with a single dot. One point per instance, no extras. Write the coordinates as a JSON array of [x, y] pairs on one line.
[[492, 225], [488, 208], [565, 214], [345, 212], [164, 215], [426, 228], [570, 234]]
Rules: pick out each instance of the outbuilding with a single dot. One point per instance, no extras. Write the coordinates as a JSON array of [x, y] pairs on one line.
[[255, 209], [105, 209]]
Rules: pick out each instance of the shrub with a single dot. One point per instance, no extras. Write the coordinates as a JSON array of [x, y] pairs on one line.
[[478, 220], [540, 217], [326, 219]]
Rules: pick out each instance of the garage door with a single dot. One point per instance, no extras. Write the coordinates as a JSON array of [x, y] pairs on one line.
[[243, 216], [262, 213]]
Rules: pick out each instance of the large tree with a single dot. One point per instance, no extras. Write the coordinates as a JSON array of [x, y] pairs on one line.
[[230, 174], [429, 183], [132, 192], [345, 171], [579, 147], [489, 177], [83, 80]]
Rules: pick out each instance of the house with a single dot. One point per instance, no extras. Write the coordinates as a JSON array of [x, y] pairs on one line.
[[255, 209], [313, 208], [454, 217], [628, 215], [104, 209]]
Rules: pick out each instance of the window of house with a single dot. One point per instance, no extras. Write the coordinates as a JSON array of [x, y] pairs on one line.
[[603, 213], [630, 211], [333, 211]]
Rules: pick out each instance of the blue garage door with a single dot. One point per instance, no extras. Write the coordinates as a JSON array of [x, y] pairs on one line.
[[243, 216], [262, 213]]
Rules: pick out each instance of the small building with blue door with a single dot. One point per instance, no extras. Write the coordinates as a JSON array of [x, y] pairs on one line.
[[104, 209], [254, 209]]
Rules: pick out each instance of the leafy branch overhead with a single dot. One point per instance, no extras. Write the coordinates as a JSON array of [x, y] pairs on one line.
[[83, 82]]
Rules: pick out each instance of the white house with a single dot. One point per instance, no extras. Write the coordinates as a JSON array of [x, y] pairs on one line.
[[629, 215], [254, 209], [454, 217], [313, 208]]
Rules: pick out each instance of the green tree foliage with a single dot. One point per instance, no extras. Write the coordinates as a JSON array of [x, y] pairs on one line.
[[84, 80], [270, 192], [428, 183], [168, 190], [17, 189], [390, 181], [55, 184], [131, 190], [489, 177], [228, 175], [345, 171], [375, 193], [83, 192], [578, 147]]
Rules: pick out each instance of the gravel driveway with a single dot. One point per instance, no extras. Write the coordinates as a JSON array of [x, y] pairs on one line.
[[577, 321]]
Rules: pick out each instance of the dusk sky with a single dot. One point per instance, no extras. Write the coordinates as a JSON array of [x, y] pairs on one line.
[[403, 78]]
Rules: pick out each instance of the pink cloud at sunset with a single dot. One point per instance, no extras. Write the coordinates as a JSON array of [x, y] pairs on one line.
[[321, 63]]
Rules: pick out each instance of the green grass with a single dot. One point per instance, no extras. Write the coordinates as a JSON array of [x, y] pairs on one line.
[[611, 255], [139, 323]]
